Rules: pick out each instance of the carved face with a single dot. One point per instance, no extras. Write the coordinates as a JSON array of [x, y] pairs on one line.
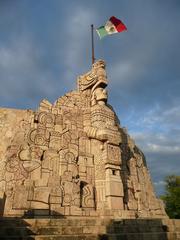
[[100, 94], [99, 64]]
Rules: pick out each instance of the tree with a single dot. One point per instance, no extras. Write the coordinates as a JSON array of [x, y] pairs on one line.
[[171, 197]]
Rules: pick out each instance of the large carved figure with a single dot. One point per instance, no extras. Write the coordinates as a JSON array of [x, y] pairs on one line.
[[73, 158]]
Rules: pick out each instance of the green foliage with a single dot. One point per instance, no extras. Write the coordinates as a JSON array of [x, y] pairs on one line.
[[171, 197]]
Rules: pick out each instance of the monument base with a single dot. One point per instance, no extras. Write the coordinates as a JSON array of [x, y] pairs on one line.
[[80, 228]]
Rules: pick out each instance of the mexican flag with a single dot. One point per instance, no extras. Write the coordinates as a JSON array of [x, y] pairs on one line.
[[113, 25]]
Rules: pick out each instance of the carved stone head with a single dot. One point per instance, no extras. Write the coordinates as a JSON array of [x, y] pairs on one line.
[[95, 77]]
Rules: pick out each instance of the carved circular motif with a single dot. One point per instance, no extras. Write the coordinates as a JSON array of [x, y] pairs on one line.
[[69, 156], [39, 140], [45, 118]]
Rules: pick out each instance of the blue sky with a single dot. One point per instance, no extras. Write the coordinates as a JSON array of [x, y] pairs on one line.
[[45, 45]]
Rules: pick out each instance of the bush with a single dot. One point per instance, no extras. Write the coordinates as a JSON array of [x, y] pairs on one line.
[[171, 197]]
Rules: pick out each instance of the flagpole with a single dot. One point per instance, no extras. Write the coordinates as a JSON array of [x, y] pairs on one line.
[[92, 42]]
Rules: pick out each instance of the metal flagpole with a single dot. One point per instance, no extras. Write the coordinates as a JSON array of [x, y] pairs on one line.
[[92, 42]]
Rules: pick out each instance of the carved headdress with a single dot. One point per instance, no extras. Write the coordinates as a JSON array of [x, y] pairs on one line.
[[95, 77]]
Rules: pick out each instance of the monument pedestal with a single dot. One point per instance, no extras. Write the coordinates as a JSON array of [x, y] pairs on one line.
[[74, 228]]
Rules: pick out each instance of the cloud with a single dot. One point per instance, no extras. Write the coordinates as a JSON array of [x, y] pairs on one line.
[[160, 183], [16, 59], [157, 148], [21, 74], [18, 55], [156, 131], [161, 145], [158, 144], [125, 73], [160, 186], [77, 48]]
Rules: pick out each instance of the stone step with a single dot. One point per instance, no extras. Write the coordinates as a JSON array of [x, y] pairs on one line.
[[52, 222], [78, 222], [71, 230], [172, 225], [54, 237], [100, 229], [176, 225], [134, 229], [105, 236], [53, 230], [67, 237], [128, 236], [83, 221], [24, 231], [14, 232]]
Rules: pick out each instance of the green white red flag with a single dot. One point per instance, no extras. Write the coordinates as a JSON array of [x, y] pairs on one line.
[[113, 25]]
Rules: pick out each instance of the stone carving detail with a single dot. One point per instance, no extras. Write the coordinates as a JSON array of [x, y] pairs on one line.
[[113, 154], [39, 136], [73, 158], [88, 196]]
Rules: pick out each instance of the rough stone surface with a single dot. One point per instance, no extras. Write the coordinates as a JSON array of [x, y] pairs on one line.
[[73, 158]]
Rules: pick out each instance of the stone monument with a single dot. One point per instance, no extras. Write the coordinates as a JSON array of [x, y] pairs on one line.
[[73, 158]]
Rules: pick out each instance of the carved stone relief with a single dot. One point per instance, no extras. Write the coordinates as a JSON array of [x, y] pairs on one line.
[[73, 157]]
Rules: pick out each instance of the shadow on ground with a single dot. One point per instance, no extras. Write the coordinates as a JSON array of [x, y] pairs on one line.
[[141, 229], [20, 228]]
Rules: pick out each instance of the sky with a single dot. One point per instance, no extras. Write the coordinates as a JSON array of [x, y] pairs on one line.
[[46, 44]]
